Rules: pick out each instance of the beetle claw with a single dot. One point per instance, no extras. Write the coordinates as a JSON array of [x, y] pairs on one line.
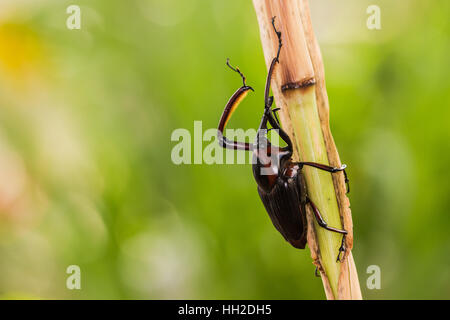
[[341, 249], [338, 259], [316, 273]]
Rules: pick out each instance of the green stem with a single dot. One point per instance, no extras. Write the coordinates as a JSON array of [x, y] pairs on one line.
[[309, 140]]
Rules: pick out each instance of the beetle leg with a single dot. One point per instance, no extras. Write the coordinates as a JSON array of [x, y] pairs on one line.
[[274, 111], [236, 69], [323, 166], [268, 114], [341, 249], [324, 225], [278, 33], [347, 182], [231, 106], [276, 125], [268, 100], [329, 169], [316, 273], [272, 65]]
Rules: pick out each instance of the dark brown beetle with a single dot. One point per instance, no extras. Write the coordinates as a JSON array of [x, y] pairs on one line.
[[281, 186]]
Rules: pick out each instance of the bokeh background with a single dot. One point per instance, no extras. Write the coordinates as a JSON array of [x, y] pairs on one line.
[[86, 176]]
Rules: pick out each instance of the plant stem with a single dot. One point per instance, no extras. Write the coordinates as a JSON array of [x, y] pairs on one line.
[[299, 89]]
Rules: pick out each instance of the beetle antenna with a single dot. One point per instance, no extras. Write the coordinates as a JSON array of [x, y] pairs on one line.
[[236, 69], [279, 38]]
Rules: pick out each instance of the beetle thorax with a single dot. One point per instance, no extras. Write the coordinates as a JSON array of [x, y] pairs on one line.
[[268, 165]]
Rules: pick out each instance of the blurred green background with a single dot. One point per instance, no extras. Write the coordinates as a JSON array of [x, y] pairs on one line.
[[86, 177]]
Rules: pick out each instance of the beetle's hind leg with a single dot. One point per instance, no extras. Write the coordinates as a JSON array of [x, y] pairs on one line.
[[323, 167], [316, 272], [324, 225], [347, 182]]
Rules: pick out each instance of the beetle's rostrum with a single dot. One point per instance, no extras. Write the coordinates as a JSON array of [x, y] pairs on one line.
[[281, 185]]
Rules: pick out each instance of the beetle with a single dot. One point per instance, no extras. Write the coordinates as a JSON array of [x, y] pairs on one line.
[[281, 185]]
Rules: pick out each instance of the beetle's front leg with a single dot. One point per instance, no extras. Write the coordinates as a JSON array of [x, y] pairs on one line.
[[230, 107]]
